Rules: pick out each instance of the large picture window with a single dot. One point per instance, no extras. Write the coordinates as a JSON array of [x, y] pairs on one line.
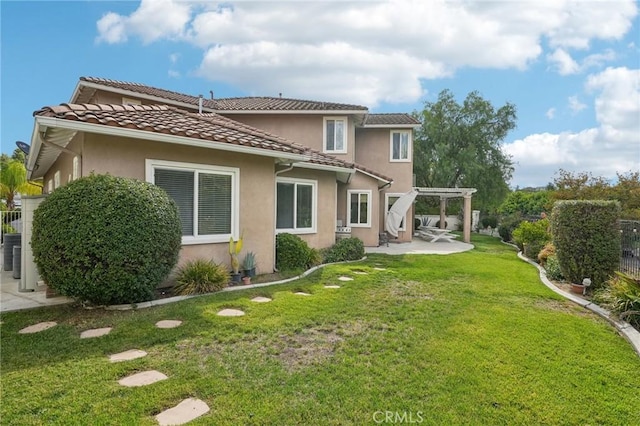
[[295, 205], [335, 135], [207, 198], [400, 145], [359, 208]]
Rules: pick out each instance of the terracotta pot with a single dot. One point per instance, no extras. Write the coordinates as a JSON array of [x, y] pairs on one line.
[[246, 280], [577, 288]]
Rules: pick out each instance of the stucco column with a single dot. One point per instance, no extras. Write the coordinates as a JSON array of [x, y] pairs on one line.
[[443, 212], [467, 218]]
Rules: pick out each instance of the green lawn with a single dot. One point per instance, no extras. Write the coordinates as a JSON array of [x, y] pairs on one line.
[[470, 338]]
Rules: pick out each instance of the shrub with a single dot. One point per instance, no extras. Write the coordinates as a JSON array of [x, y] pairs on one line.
[[530, 237], [587, 239], [345, 249], [621, 294], [489, 221], [507, 225], [292, 252], [552, 266], [106, 239], [548, 250], [201, 276]]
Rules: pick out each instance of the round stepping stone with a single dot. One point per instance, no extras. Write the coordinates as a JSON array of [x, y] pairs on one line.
[[36, 328], [302, 293], [360, 273], [345, 279], [260, 299], [127, 355], [187, 410], [96, 332], [230, 313], [168, 324], [380, 269], [331, 286], [142, 379]]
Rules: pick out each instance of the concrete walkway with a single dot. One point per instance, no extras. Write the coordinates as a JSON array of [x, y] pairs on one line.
[[419, 246], [13, 300]]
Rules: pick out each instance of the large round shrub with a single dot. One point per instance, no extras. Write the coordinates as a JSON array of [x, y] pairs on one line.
[[345, 249], [106, 239]]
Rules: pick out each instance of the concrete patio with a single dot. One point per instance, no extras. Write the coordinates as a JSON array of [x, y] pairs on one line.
[[13, 300], [420, 246]]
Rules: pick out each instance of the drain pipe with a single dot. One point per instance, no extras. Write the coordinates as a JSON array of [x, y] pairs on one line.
[[275, 218]]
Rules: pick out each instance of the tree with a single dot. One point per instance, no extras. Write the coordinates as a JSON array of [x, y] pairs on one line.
[[13, 180], [460, 145]]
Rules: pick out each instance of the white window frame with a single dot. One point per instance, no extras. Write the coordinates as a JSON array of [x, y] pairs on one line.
[[314, 205], [345, 135], [400, 160], [387, 207], [369, 193], [56, 180], [234, 172], [75, 171], [130, 101]]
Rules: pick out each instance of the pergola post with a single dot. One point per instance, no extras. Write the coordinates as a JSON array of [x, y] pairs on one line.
[[443, 212], [467, 218]]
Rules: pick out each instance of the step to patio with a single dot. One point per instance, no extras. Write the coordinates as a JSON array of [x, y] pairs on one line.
[[144, 378], [260, 299], [95, 332], [187, 410], [343, 278], [168, 324], [230, 313], [127, 355], [37, 328]]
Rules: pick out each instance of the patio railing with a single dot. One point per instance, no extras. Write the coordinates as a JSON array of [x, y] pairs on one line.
[[10, 221], [630, 247]]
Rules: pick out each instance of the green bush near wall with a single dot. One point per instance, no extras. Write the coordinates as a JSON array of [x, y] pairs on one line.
[[292, 253], [345, 249], [587, 239], [531, 237], [106, 240]]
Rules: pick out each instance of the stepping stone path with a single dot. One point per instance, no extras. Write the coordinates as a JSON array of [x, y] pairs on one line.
[[96, 332], [380, 269], [230, 313], [127, 355], [142, 379], [260, 299], [331, 286], [360, 273], [345, 279], [36, 328], [168, 324], [302, 293], [182, 413]]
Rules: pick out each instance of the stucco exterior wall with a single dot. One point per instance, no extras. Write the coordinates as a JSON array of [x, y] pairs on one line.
[[305, 129], [373, 150], [359, 181], [64, 163]]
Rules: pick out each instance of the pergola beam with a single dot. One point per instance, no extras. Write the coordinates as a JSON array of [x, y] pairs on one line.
[[444, 194]]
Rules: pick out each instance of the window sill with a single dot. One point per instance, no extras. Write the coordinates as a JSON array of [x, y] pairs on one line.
[[359, 225], [218, 239], [296, 231]]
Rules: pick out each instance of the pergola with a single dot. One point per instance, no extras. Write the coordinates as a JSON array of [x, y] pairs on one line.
[[444, 194]]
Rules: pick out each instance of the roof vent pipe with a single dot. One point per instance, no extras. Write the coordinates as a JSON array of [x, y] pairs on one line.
[[211, 93], [199, 104]]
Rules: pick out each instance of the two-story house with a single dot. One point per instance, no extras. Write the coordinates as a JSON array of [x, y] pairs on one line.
[[254, 165]]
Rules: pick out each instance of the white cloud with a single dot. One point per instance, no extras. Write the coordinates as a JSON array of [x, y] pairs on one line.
[[604, 150], [173, 74], [551, 113], [575, 105], [174, 57], [368, 52]]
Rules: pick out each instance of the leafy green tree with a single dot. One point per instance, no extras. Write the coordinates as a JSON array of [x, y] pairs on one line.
[[460, 145], [13, 180], [526, 203]]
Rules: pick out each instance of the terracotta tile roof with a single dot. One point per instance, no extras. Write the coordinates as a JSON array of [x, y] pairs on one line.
[[390, 120], [169, 120], [229, 104]]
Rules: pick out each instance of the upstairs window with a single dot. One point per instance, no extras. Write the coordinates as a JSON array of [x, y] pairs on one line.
[[359, 208], [400, 145], [335, 135]]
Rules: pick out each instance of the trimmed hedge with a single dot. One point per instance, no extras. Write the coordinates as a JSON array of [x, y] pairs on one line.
[[587, 239], [345, 249], [292, 253], [106, 239]]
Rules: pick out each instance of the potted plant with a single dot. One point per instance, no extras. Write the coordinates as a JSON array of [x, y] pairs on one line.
[[249, 264], [234, 249], [581, 288], [246, 280]]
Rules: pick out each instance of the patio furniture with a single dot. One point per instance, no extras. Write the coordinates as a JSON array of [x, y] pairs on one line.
[[435, 234]]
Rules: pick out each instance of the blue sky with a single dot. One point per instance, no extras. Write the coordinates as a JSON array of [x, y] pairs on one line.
[[571, 68]]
